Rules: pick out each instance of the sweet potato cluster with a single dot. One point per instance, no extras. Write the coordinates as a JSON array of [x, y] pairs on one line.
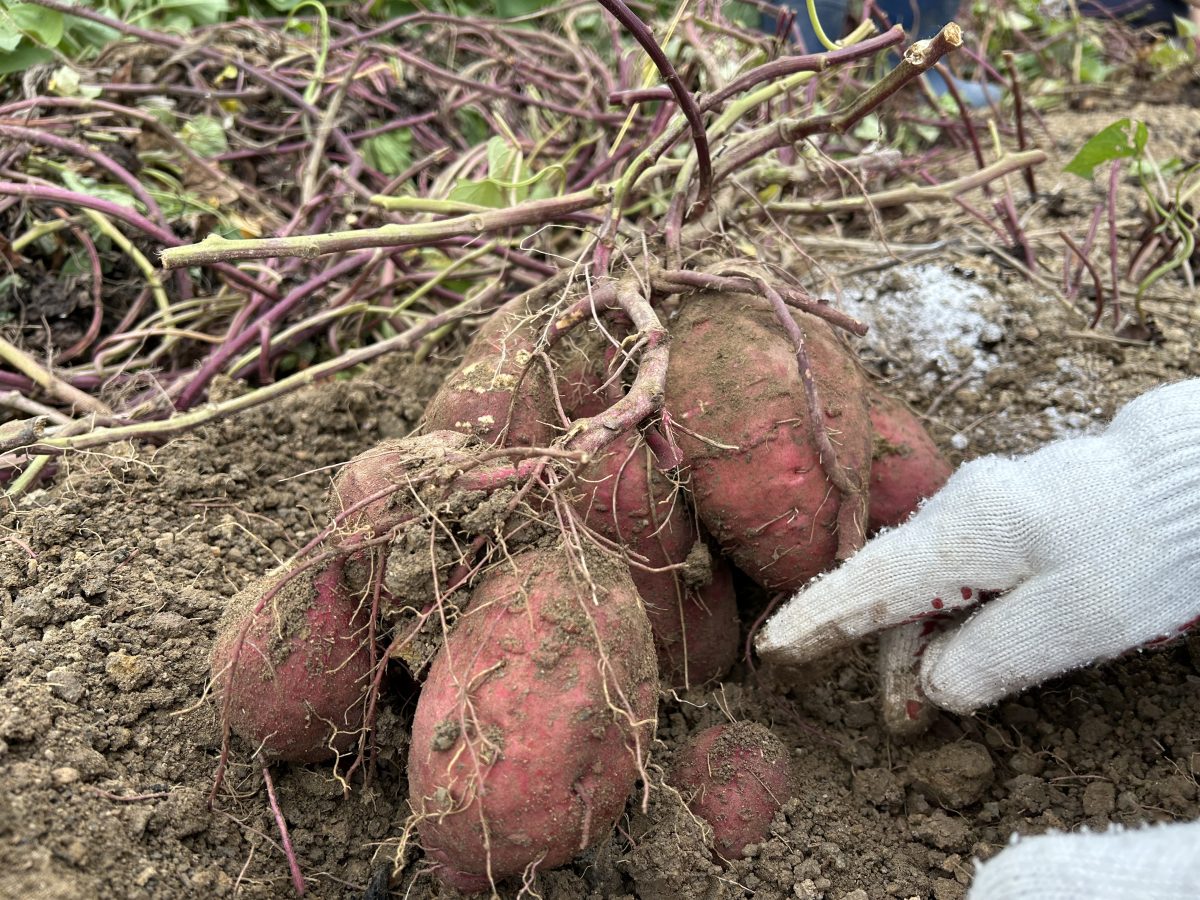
[[545, 599]]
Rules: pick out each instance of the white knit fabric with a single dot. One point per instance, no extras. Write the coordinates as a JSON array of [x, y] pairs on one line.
[[902, 702], [1159, 862], [1094, 540]]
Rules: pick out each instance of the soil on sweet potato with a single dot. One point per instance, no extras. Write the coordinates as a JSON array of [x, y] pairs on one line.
[[114, 580]]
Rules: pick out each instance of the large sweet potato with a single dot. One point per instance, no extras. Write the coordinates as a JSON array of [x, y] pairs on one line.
[[526, 736], [623, 496], [500, 392], [302, 665], [756, 475], [906, 466], [735, 777]]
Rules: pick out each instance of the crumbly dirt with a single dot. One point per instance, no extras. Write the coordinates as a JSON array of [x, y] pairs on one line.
[[115, 577]]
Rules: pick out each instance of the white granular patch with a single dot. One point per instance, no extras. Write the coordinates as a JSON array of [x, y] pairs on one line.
[[926, 317]]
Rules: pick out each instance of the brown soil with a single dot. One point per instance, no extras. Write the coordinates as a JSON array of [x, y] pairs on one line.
[[114, 580]]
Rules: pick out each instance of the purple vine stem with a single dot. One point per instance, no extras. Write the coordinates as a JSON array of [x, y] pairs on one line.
[[275, 84], [73, 148], [122, 213], [687, 103], [1114, 181], [236, 344]]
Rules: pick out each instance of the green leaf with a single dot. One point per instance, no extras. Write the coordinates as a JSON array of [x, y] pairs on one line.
[[504, 160], [509, 180], [481, 193], [1167, 56], [1013, 20], [94, 189], [590, 23], [870, 129], [22, 58], [181, 14], [390, 152], [162, 108], [44, 25], [928, 133], [1123, 139], [510, 9], [10, 35], [10, 286], [542, 186], [205, 135], [474, 126], [745, 14], [1093, 69], [498, 194], [82, 35], [1148, 168], [506, 167]]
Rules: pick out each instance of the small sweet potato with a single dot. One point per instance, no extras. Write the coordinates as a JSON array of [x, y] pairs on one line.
[[623, 496], [527, 734], [389, 465], [500, 392], [578, 374], [384, 488], [302, 665], [756, 475], [906, 466], [735, 777], [696, 629]]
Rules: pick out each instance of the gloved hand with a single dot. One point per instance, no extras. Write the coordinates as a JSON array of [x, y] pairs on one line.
[[1094, 542], [1159, 862]]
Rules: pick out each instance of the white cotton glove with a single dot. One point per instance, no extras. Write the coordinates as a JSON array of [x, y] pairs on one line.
[[1095, 542], [1158, 862]]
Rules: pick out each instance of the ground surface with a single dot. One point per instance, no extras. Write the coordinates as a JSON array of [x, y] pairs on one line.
[[114, 578]]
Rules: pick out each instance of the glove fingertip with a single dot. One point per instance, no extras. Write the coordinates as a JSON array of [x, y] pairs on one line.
[[788, 640], [949, 684], [907, 714]]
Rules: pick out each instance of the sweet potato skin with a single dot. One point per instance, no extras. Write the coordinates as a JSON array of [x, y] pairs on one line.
[[500, 393], [385, 466], [696, 628], [733, 380], [579, 375], [515, 741], [624, 497], [736, 777], [906, 466], [303, 668]]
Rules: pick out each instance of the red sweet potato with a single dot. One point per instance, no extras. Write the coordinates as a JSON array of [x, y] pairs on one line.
[[735, 777], [526, 736], [302, 668], [756, 476], [388, 465], [623, 496], [579, 364], [500, 392], [696, 633], [391, 473], [906, 466]]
